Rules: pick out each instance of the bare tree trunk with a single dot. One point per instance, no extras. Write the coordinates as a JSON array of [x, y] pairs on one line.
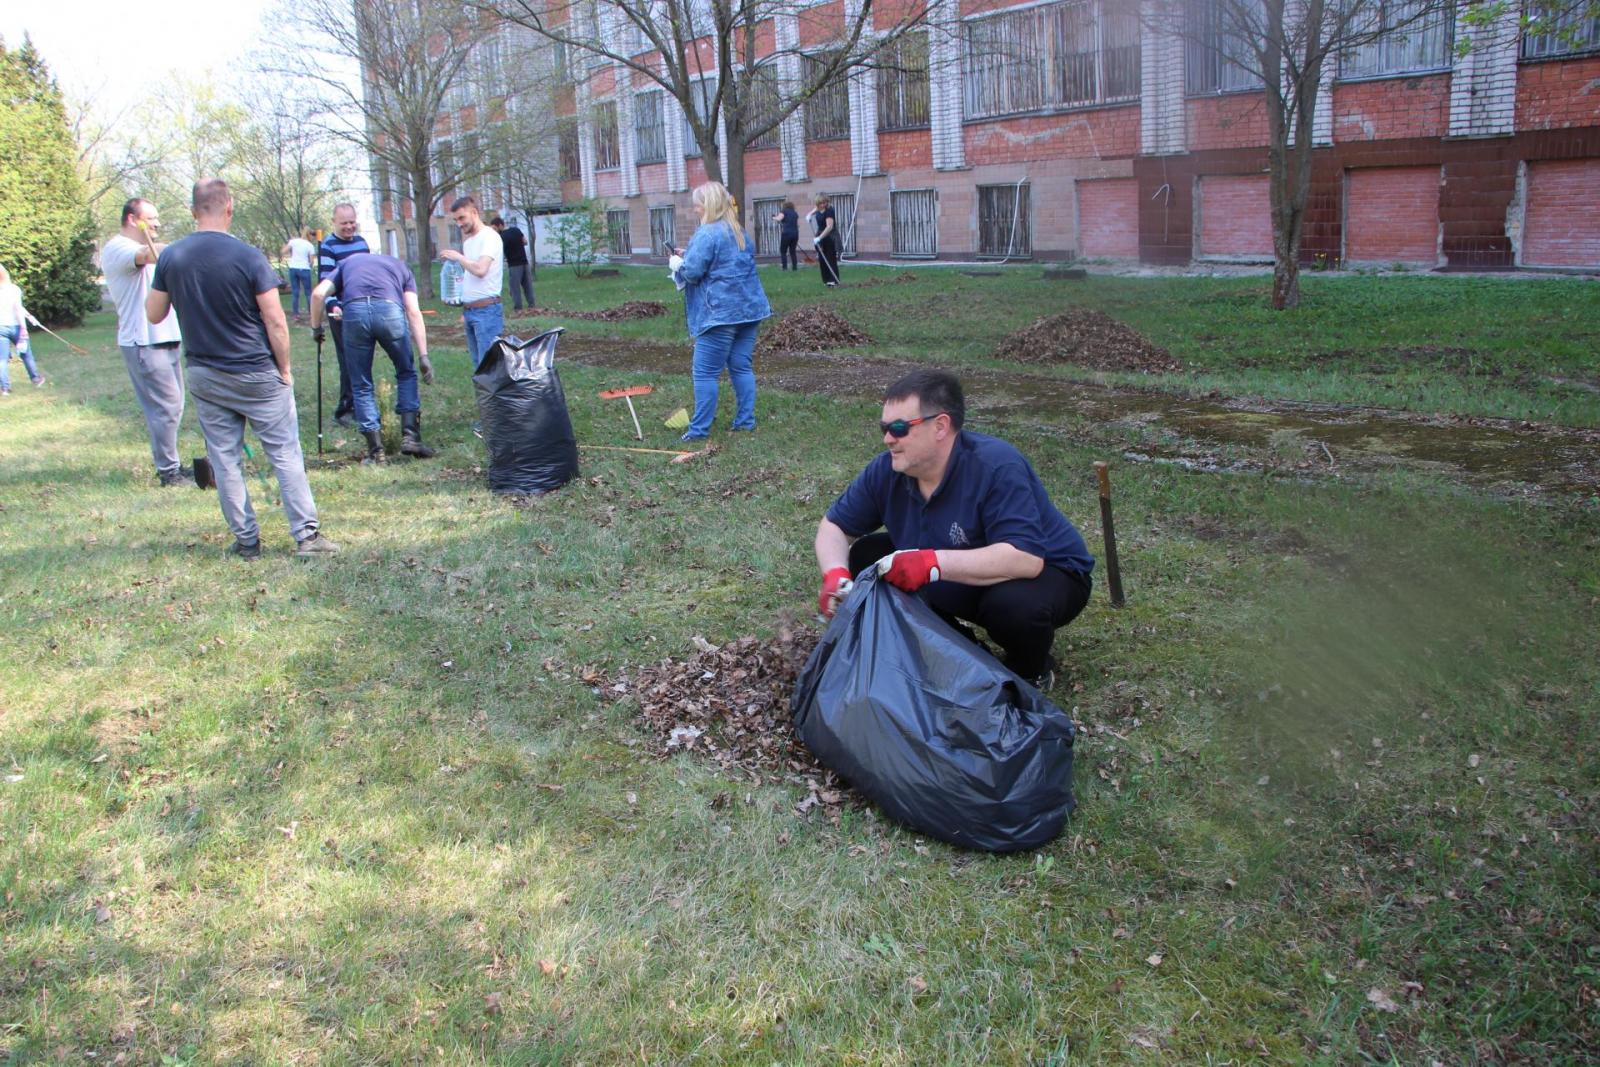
[[735, 178], [422, 212]]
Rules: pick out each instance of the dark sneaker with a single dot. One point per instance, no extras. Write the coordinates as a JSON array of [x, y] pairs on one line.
[[693, 437], [315, 545], [244, 549], [38, 381], [347, 419], [1044, 682], [181, 476]]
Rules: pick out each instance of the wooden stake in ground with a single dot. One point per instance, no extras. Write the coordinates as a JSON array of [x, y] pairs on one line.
[[1113, 568]]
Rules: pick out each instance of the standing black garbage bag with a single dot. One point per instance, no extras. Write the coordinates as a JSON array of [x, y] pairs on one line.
[[523, 409], [934, 729]]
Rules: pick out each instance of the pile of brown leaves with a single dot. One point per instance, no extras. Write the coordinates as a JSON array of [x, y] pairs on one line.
[[1086, 338], [730, 703], [628, 309], [813, 328]]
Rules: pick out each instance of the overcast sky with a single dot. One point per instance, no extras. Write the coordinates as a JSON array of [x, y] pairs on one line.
[[116, 51]]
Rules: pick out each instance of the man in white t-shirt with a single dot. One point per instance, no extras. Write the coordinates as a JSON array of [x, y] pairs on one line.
[[482, 256], [150, 351], [298, 252]]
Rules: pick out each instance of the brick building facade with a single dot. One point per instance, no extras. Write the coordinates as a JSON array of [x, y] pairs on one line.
[[1124, 141]]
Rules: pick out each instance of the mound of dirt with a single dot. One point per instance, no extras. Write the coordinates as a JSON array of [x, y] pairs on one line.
[[813, 328], [1086, 338], [898, 279], [630, 309]]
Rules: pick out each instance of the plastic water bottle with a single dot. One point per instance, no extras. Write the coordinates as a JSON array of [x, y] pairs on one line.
[[451, 277]]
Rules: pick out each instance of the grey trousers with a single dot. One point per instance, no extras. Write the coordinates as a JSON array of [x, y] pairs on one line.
[[157, 375], [521, 285], [225, 402]]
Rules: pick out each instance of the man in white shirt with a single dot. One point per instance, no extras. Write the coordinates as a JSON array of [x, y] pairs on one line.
[[482, 256], [150, 351], [298, 252]]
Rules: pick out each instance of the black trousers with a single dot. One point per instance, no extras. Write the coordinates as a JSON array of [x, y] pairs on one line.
[[1021, 615], [789, 253], [347, 396], [828, 259]]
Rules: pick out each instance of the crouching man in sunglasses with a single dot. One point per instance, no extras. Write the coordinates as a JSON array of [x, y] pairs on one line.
[[966, 525]]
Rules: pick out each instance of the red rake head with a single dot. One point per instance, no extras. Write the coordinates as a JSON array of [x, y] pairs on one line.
[[632, 390]]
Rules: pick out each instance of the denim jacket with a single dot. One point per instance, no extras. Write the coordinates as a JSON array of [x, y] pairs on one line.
[[719, 280]]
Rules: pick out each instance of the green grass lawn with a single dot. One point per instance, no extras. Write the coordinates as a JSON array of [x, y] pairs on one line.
[[1523, 348], [1337, 770]]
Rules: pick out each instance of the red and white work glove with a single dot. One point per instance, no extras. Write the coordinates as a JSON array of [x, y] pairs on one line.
[[836, 585], [910, 569]]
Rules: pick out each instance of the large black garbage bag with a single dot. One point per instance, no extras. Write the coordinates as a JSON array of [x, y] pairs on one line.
[[934, 729], [523, 410]]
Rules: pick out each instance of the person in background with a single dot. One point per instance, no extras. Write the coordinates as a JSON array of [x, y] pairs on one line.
[[826, 241], [14, 320], [379, 296], [298, 252], [236, 344], [150, 350], [516, 250], [725, 304], [482, 256], [788, 221], [966, 525], [345, 241]]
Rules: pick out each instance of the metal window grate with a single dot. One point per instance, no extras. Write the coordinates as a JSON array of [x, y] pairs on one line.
[[914, 222], [761, 223], [1004, 226], [650, 127], [844, 212], [663, 229], [1074, 54], [607, 150], [761, 104], [617, 230], [1414, 35], [1219, 56], [570, 167], [827, 113], [701, 93], [903, 83], [1560, 30]]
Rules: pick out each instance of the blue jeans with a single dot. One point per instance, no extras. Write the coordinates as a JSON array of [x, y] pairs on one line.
[[9, 336], [367, 324], [733, 347], [299, 280], [482, 326]]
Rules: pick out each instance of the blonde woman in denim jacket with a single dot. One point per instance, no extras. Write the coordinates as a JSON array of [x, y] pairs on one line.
[[725, 304]]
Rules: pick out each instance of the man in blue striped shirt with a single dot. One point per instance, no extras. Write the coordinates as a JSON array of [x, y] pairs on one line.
[[345, 241]]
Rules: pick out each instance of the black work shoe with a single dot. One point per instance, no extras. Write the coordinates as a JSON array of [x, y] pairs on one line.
[[180, 476], [348, 419], [1044, 682], [411, 436], [315, 545], [244, 549], [375, 452]]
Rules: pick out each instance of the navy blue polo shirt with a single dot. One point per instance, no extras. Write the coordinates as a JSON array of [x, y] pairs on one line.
[[990, 495]]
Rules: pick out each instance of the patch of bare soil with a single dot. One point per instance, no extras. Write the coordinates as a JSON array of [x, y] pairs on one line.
[[730, 704], [1086, 338], [872, 283], [813, 328], [623, 312]]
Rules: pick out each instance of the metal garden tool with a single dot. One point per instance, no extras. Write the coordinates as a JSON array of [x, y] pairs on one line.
[[628, 394]]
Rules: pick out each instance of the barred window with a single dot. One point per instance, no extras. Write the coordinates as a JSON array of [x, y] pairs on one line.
[[903, 83], [1413, 35], [570, 166], [1219, 53], [1003, 222], [761, 104], [914, 222], [1561, 30], [760, 221], [827, 112], [380, 184], [617, 230], [701, 94], [663, 229], [607, 150], [650, 126], [1074, 54]]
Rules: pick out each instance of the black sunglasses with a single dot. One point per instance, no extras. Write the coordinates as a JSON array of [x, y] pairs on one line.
[[900, 427]]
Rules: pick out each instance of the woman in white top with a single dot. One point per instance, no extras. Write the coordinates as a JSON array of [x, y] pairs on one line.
[[14, 319]]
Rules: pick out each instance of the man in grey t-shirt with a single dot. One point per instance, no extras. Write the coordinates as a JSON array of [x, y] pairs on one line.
[[150, 350], [236, 344]]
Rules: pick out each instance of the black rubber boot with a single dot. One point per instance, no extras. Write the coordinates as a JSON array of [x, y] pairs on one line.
[[375, 453], [411, 436]]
